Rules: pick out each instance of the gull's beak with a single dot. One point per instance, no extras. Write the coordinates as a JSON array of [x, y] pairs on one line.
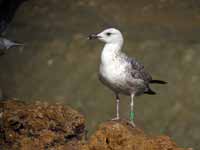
[[93, 36]]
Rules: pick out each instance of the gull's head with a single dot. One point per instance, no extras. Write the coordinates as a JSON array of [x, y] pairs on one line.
[[109, 36]]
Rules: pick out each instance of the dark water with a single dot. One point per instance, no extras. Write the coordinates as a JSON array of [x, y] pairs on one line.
[[59, 64]]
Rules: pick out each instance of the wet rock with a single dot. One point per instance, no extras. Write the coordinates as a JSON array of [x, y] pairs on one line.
[[121, 136], [40, 126]]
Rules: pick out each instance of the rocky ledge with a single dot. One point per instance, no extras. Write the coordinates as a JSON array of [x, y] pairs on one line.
[[39, 126], [43, 126], [121, 136]]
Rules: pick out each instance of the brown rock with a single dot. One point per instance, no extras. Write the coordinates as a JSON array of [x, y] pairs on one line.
[[121, 136], [42, 126], [39, 126]]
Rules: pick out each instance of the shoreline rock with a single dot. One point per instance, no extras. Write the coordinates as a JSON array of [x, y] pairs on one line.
[[43, 126], [120, 135], [39, 126]]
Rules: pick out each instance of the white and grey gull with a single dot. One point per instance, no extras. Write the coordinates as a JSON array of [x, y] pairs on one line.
[[122, 74], [6, 44]]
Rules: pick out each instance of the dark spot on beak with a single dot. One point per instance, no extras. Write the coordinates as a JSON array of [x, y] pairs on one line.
[[92, 36]]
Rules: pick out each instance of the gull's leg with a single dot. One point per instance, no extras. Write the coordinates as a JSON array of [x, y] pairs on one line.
[[117, 108], [132, 115]]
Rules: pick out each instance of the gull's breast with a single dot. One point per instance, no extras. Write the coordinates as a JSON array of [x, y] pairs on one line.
[[114, 73]]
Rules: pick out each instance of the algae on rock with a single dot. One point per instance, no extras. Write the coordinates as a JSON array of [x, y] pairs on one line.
[[39, 126], [43, 126], [121, 136]]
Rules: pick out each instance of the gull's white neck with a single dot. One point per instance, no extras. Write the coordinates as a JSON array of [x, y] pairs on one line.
[[110, 51]]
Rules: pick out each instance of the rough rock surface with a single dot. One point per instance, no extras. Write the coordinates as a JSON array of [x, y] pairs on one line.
[[39, 126], [43, 126], [121, 136]]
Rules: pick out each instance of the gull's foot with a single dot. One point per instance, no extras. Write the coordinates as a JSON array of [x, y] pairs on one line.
[[115, 119], [132, 124]]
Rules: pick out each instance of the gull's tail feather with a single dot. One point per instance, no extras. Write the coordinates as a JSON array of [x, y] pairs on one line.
[[17, 44], [150, 92], [158, 82]]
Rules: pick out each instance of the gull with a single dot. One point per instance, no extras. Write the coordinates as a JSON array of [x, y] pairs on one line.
[[6, 44], [122, 74]]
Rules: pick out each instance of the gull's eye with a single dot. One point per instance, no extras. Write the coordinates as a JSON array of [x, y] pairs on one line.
[[108, 33]]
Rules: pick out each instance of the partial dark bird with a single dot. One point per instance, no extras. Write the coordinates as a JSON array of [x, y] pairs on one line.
[[8, 9], [122, 74]]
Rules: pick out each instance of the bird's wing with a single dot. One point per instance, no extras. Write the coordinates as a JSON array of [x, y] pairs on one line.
[[135, 64], [137, 70]]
